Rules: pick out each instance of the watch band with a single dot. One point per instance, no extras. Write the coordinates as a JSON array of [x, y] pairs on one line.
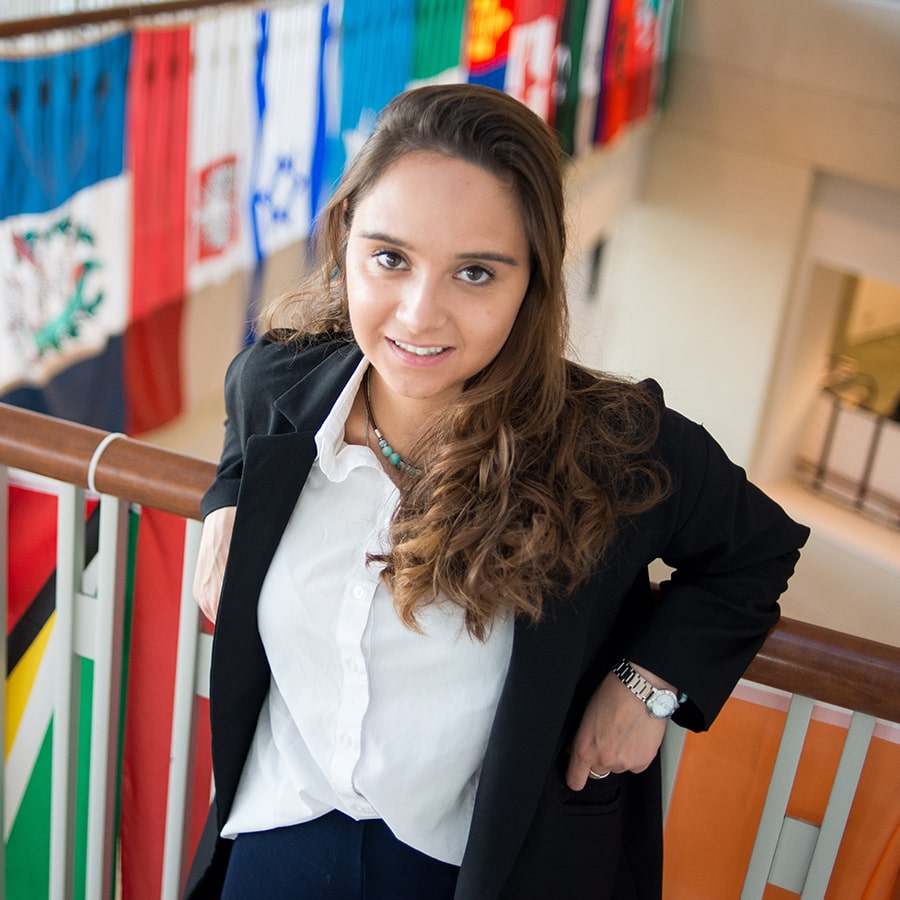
[[633, 680], [661, 703]]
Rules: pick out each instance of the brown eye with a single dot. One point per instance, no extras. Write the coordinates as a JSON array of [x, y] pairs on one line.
[[476, 275], [390, 260]]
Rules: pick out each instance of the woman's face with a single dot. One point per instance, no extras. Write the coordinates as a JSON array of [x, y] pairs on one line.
[[437, 265]]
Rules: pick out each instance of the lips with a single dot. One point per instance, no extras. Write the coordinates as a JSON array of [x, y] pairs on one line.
[[419, 351]]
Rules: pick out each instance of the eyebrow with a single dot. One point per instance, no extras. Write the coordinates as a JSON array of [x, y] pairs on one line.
[[488, 255]]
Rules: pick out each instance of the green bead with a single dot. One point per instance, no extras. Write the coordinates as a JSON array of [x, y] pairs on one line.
[[394, 458]]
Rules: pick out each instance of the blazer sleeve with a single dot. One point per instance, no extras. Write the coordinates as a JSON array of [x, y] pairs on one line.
[[255, 378], [732, 550]]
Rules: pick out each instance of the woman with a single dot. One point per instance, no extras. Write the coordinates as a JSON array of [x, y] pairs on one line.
[[438, 668]]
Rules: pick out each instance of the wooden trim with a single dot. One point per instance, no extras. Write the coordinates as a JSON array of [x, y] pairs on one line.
[[799, 658]]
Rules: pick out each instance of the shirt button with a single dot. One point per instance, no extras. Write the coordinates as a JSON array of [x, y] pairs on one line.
[[346, 740], [359, 592]]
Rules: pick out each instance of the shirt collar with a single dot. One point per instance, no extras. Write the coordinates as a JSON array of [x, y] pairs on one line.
[[337, 458]]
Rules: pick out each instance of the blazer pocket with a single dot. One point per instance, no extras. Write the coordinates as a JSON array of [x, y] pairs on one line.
[[599, 797]]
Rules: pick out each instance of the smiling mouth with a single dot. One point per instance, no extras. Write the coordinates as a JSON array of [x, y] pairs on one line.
[[419, 351]]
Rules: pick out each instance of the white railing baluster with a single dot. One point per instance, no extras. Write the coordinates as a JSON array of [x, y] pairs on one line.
[[840, 800], [69, 565], [109, 607], [770, 822], [183, 722]]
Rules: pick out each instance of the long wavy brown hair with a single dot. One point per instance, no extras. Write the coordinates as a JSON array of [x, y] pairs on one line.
[[528, 475]]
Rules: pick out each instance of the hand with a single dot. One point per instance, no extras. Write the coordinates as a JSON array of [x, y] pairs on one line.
[[211, 558], [616, 733]]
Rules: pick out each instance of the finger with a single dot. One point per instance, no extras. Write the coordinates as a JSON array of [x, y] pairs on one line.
[[210, 609], [577, 772]]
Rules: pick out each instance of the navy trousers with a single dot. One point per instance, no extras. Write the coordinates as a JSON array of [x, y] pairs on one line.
[[334, 858]]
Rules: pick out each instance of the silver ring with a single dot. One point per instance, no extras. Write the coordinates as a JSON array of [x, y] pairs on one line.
[[595, 776]]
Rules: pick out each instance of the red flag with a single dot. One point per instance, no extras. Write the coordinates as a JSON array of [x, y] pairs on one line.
[[617, 66], [148, 724], [32, 548], [157, 141], [644, 34]]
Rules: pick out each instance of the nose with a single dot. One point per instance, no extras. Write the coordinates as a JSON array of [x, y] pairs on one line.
[[422, 304]]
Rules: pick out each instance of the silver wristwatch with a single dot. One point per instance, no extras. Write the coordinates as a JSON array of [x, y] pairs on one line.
[[661, 703]]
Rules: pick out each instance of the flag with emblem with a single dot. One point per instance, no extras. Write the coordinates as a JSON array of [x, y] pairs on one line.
[[490, 23], [287, 82], [222, 122], [65, 225], [531, 66]]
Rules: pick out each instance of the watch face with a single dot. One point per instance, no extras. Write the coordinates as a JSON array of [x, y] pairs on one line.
[[662, 704]]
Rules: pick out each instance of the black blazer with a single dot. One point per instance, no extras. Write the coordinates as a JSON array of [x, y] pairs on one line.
[[732, 549]]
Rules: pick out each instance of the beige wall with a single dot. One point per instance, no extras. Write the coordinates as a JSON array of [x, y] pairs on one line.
[[777, 112]]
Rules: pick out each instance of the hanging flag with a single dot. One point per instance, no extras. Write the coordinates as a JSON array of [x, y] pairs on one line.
[[437, 43], [532, 55], [221, 130], [490, 23], [328, 155], [29, 687], [377, 60], [568, 71], [289, 48], [618, 66], [148, 723], [63, 124], [590, 75], [644, 34], [32, 657], [64, 233], [157, 140]]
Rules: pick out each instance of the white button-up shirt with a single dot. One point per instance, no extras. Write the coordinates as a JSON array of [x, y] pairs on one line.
[[364, 715]]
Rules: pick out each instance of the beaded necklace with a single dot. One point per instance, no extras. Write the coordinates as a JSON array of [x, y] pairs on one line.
[[387, 451]]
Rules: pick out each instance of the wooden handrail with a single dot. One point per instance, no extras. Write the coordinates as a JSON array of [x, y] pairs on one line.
[[128, 468], [830, 666], [799, 658]]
